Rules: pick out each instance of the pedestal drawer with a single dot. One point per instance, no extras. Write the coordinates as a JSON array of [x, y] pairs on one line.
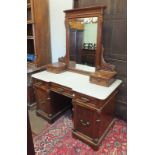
[[43, 100], [83, 120]]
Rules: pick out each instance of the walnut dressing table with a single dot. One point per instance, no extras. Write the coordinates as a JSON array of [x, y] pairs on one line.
[[93, 105], [91, 90]]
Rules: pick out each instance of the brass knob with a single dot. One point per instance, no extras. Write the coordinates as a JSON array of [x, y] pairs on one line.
[[84, 123], [98, 120], [48, 98]]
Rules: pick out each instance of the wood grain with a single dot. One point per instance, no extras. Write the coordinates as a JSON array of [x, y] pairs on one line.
[[114, 42]]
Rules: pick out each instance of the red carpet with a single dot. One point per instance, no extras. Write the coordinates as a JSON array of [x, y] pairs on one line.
[[57, 140]]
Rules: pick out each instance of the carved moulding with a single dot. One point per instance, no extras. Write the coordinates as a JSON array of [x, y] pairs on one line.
[[105, 74]]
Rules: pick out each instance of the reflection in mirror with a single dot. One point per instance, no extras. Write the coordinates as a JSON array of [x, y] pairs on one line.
[[83, 37]]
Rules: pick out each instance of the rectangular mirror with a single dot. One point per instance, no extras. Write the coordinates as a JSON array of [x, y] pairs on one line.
[[84, 36], [83, 39]]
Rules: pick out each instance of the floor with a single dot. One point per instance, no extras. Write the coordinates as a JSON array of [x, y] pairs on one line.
[[57, 138], [37, 123]]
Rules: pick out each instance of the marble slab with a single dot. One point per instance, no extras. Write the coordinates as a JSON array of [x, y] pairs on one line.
[[79, 83]]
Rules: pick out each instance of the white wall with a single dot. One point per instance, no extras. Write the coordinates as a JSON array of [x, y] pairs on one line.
[[57, 27]]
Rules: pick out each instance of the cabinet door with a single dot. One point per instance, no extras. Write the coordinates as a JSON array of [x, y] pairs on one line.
[[43, 100], [83, 120]]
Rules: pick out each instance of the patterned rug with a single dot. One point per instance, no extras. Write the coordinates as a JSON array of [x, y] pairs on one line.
[[57, 140]]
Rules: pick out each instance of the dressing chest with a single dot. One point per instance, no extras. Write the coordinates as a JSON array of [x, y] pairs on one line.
[[92, 104]]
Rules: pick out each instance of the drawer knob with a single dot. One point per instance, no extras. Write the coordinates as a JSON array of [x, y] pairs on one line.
[[48, 98], [50, 115], [85, 123], [98, 120]]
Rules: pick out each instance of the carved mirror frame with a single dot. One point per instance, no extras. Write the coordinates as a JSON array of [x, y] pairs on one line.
[[97, 11]]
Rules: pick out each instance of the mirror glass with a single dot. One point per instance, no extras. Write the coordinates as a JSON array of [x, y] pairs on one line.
[[83, 38]]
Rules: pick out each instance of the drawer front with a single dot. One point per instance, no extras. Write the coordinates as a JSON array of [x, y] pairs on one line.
[[83, 120], [102, 82], [62, 90], [41, 84], [43, 100], [90, 101]]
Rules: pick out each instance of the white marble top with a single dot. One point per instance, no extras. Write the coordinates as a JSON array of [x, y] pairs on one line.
[[79, 83]]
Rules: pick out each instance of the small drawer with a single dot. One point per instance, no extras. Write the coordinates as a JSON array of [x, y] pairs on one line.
[[85, 99], [62, 90], [43, 100], [41, 84]]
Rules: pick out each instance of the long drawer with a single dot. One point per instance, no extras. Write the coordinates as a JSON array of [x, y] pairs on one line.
[[41, 84], [62, 90], [85, 100]]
